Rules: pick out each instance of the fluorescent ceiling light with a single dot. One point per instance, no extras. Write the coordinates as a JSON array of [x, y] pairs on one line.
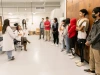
[[10, 13], [25, 9], [34, 13]]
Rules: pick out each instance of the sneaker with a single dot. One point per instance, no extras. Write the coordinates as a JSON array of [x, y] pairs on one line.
[[80, 64], [77, 61], [72, 57], [57, 45], [73, 50], [69, 54], [88, 70], [62, 50], [12, 58]]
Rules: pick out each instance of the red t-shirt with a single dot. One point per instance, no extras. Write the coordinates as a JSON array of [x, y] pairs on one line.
[[47, 25]]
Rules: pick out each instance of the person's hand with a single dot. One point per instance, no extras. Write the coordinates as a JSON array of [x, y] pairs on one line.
[[19, 34], [77, 28], [87, 43]]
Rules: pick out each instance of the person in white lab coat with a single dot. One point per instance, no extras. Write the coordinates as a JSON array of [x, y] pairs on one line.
[[8, 37], [21, 36]]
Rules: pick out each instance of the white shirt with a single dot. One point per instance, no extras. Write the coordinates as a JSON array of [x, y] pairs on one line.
[[17, 35], [82, 35], [25, 33]]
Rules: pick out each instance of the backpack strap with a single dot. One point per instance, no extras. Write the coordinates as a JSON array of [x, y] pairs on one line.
[[87, 24]]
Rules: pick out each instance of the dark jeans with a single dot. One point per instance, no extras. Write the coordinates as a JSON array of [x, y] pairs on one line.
[[41, 32], [72, 44], [81, 46], [55, 37]]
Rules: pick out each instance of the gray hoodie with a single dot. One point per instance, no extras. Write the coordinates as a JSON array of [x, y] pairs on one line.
[[94, 35]]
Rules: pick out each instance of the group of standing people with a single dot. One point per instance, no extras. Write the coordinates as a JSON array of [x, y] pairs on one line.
[[46, 28], [73, 33]]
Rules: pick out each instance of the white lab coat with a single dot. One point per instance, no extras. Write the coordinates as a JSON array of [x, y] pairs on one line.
[[8, 40]]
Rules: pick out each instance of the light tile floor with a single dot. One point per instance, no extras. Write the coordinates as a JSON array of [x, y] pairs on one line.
[[40, 59]]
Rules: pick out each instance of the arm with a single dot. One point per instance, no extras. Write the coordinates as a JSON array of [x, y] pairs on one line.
[[95, 38], [89, 37], [81, 28], [10, 32]]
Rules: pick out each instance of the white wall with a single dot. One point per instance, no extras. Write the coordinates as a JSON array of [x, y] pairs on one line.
[[55, 14], [63, 7], [36, 19]]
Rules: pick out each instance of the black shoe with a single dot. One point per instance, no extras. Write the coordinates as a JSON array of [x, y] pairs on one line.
[[12, 58], [62, 50], [88, 70]]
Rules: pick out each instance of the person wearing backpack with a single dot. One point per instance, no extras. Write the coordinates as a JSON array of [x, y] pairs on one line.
[[82, 28]]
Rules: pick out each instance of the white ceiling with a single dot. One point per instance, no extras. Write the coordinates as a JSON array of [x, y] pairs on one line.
[[31, 0], [19, 6]]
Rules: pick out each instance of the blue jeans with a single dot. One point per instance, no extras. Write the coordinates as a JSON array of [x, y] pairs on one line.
[[67, 43], [9, 53], [62, 44]]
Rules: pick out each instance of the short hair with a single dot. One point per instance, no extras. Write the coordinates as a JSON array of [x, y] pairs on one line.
[[84, 11], [56, 19], [96, 10], [47, 17]]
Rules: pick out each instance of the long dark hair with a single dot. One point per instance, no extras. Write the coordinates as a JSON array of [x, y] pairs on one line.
[[67, 21], [6, 24]]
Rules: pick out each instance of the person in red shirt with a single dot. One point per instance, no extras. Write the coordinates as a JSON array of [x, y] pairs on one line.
[[47, 29], [72, 35]]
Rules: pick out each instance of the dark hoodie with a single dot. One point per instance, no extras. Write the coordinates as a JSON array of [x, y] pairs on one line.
[[72, 28]]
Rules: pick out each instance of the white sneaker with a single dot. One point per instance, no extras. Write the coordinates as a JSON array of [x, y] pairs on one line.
[[77, 61], [57, 45], [72, 57], [80, 64], [73, 50]]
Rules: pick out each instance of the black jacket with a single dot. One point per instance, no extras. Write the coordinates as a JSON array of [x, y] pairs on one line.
[[94, 35], [55, 28]]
